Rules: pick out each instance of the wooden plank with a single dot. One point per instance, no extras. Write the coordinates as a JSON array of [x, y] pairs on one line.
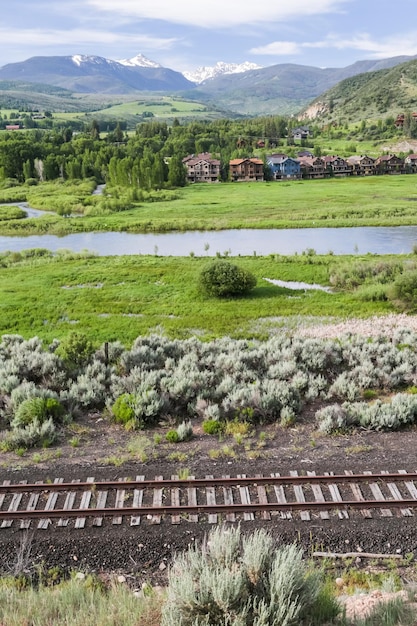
[[396, 494], [84, 504], [281, 498], [50, 505], [32, 504], [137, 502], [192, 501], [410, 486], [119, 504], [228, 499], [100, 504], [68, 504], [157, 502], [263, 499], [211, 500], [358, 495], [378, 495], [245, 499], [336, 497], [3, 495], [318, 496], [14, 505], [299, 496], [175, 500]]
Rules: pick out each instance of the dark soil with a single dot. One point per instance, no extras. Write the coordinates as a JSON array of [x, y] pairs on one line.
[[106, 451]]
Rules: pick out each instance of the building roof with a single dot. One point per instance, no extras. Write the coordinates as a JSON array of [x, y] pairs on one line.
[[252, 160]]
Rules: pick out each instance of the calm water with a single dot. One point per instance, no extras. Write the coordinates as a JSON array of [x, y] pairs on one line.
[[376, 240]]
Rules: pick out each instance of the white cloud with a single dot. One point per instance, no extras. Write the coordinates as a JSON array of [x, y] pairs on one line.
[[75, 37], [278, 48], [218, 13], [396, 45]]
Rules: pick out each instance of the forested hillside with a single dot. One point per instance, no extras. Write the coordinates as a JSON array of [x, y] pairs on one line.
[[373, 95]]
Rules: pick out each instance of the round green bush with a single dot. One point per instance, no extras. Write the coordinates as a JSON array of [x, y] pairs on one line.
[[212, 427], [172, 436], [223, 279], [124, 408]]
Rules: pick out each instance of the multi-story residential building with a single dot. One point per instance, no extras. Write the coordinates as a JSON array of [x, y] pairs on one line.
[[284, 167], [201, 168], [362, 165], [250, 169]]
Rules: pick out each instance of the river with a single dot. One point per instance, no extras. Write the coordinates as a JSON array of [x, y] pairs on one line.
[[363, 240]]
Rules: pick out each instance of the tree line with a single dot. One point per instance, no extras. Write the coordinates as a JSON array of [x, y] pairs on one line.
[[151, 158]]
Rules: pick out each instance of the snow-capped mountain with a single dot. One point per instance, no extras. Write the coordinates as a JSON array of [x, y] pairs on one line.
[[202, 74], [84, 59], [139, 61], [94, 74]]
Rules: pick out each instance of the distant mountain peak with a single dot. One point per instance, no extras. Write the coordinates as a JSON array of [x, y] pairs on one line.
[[202, 74], [139, 61]]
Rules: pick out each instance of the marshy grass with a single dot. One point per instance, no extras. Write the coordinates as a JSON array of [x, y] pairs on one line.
[[369, 201], [47, 295]]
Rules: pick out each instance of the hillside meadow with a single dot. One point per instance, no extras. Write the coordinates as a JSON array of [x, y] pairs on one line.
[[347, 202]]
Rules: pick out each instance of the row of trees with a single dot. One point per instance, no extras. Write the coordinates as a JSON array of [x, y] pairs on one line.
[[149, 159]]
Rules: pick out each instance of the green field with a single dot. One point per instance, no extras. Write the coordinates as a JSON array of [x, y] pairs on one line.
[[120, 298], [374, 201]]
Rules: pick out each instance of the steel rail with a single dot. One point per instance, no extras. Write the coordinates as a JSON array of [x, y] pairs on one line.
[[206, 508], [207, 482]]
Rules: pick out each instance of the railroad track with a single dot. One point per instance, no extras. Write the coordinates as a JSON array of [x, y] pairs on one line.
[[213, 500]]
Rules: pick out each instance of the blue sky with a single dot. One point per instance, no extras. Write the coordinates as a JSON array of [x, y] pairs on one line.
[[183, 35]]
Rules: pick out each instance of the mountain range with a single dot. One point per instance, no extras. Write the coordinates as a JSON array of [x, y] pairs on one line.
[[239, 88]]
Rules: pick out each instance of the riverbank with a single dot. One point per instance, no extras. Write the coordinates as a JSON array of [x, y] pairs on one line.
[[348, 202]]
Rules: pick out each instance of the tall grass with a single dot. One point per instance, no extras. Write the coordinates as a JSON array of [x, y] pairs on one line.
[[76, 603]]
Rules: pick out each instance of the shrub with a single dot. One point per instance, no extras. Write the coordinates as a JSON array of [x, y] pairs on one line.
[[185, 431], [124, 408], [172, 436], [241, 581], [222, 279], [75, 350], [37, 409], [405, 288], [212, 427], [34, 434]]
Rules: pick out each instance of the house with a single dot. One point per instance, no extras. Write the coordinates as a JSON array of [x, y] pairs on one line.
[[246, 169], [283, 167], [362, 165], [12, 127], [410, 163], [337, 166], [313, 167], [390, 164], [302, 132], [201, 168], [399, 122]]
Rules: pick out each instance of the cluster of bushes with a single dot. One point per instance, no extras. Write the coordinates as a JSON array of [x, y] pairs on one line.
[[42, 387]]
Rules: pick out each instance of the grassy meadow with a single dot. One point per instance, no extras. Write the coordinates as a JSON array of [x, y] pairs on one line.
[[373, 201], [120, 298]]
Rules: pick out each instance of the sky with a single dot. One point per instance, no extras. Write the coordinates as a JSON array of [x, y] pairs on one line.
[[183, 35]]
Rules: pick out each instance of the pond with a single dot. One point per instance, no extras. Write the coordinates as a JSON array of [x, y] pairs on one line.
[[245, 242]]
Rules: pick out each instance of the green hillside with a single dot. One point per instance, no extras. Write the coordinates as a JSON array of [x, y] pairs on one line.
[[374, 95]]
